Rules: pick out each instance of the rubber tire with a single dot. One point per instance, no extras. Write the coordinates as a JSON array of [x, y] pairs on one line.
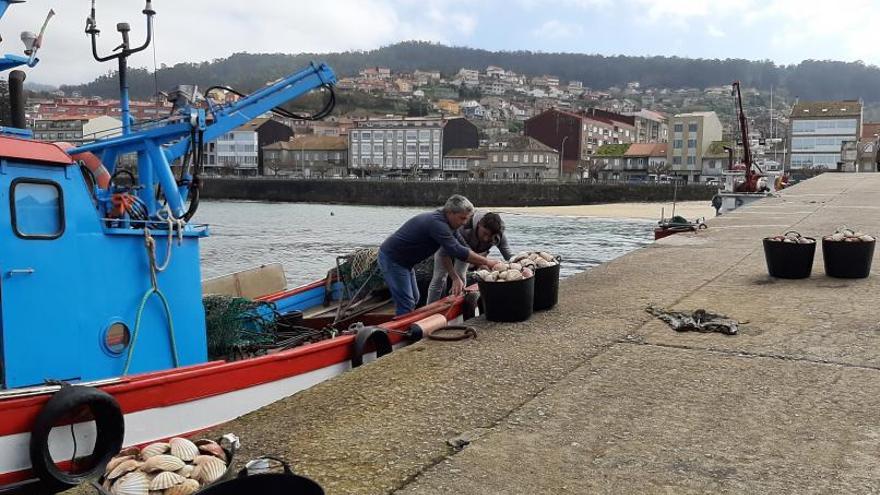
[[380, 340], [109, 422]]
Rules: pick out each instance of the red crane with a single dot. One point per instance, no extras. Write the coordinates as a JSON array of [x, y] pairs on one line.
[[751, 179]]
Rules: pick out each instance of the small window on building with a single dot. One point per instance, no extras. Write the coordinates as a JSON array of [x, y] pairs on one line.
[[37, 209], [692, 127], [692, 143], [678, 127]]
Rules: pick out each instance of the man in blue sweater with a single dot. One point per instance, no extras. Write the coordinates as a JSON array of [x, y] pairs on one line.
[[420, 237]]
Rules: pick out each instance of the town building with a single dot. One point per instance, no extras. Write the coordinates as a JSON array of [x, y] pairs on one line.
[[691, 136], [59, 128], [407, 146], [463, 163], [577, 135], [307, 156], [716, 159], [520, 158], [239, 152], [650, 126], [817, 132]]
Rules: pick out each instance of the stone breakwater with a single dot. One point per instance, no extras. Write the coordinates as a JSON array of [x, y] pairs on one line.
[[431, 193]]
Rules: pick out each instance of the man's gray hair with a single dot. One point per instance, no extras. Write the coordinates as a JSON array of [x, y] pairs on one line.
[[457, 204]]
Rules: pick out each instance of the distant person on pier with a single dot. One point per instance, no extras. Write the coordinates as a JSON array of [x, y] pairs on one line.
[[716, 203], [421, 236], [481, 232]]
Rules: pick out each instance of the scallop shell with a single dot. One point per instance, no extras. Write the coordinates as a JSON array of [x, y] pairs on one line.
[[134, 483], [123, 467], [166, 479], [162, 462], [186, 488], [866, 238], [154, 449], [499, 267], [115, 462], [491, 277], [186, 471], [541, 263], [527, 272], [213, 448], [515, 266], [546, 256], [481, 274], [514, 275], [132, 451], [534, 256], [521, 256], [209, 470], [501, 276], [183, 449]]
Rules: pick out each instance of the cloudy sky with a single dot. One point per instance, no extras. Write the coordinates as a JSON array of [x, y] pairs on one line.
[[785, 31]]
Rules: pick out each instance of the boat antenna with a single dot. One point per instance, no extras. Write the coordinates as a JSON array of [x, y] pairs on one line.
[[124, 52]]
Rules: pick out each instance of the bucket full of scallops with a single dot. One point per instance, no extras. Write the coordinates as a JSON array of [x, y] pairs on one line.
[[507, 291], [546, 269], [848, 253], [789, 255]]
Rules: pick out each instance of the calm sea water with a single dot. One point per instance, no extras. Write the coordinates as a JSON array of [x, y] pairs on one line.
[[306, 237]]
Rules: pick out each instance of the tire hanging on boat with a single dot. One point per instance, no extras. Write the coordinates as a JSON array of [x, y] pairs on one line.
[[109, 423], [378, 336]]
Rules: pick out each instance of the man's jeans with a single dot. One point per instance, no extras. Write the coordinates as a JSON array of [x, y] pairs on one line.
[[402, 283], [438, 280]]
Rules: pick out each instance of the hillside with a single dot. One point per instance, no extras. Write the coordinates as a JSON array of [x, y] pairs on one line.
[[810, 79]]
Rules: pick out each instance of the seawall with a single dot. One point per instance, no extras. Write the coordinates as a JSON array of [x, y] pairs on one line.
[[427, 193]]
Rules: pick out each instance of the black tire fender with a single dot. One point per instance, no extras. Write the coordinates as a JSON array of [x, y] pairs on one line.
[[471, 305], [109, 422], [378, 336]]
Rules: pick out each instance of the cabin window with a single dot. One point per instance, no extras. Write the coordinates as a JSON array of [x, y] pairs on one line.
[[37, 209]]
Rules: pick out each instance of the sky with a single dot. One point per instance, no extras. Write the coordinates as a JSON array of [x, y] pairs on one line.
[[784, 31]]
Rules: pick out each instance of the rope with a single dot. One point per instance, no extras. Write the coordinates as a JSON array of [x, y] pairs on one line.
[[150, 245], [466, 332]]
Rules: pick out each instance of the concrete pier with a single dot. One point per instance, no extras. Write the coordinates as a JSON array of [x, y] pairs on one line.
[[597, 396]]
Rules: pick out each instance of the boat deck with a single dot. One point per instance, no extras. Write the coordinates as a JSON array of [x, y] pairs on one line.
[[597, 396]]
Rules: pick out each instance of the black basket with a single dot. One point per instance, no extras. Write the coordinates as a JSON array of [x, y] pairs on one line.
[[847, 259], [285, 483], [788, 259], [508, 301], [546, 287]]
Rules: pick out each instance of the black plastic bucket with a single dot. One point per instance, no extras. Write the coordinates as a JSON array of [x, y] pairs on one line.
[[546, 287], [508, 301], [788, 259], [847, 259]]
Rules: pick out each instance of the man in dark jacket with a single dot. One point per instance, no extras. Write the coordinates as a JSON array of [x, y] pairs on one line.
[[418, 238], [480, 233]]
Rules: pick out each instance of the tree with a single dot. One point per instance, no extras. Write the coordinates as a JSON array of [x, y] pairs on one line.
[[658, 168]]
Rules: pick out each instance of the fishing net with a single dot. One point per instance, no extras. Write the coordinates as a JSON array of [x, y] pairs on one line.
[[360, 271], [236, 323], [239, 328]]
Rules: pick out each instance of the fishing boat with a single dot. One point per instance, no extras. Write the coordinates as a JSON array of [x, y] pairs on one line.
[[104, 337]]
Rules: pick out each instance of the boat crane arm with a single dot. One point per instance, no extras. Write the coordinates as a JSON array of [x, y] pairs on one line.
[[158, 147]]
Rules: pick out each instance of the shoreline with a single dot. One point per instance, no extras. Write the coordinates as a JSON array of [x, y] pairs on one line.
[[642, 211]]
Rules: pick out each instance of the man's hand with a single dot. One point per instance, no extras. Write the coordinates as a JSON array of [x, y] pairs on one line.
[[457, 285]]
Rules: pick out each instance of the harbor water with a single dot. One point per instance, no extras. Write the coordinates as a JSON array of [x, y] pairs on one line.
[[306, 238]]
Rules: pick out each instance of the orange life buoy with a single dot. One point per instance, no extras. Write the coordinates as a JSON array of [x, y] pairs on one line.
[[92, 162]]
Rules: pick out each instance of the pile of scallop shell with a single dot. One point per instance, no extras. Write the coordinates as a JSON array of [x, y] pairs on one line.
[[176, 467], [844, 234], [792, 238], [520, 267]]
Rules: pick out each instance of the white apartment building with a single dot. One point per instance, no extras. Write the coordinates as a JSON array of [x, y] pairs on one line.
[[818, 131]]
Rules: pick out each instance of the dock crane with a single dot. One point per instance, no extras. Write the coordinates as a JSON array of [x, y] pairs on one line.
[[752, 172]]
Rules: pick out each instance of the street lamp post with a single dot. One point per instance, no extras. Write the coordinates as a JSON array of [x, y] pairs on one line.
[[562, 156]]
